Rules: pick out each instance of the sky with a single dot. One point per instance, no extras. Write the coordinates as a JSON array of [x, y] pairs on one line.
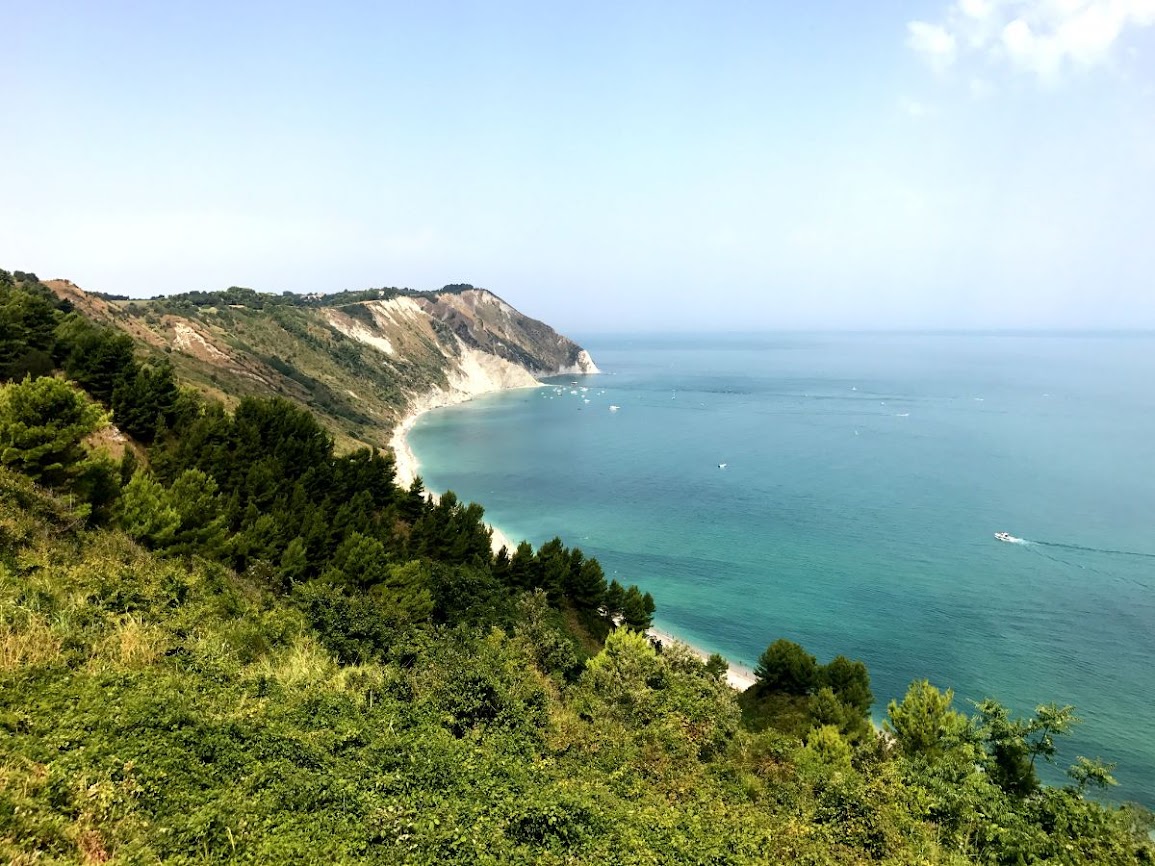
[[622, 166]]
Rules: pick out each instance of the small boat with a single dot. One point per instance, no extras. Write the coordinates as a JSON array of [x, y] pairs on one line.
[[721, 465], [1005, 536], [615, 408]]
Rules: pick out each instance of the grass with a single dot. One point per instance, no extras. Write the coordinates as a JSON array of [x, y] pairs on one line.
[[33, 644], [132, 644]]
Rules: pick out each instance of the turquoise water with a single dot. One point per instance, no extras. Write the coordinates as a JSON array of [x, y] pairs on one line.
[[864, 477]]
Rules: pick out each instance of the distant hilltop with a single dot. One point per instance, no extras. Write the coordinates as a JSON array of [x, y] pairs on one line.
[[361, 360]]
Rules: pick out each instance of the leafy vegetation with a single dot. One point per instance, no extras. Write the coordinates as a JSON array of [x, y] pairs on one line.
[[238, 296], [242, 646]]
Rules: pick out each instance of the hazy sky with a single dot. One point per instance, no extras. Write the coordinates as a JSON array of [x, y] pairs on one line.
[[602, 166]]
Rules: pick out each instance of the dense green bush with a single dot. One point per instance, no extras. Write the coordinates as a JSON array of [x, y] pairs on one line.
[[43, 424]]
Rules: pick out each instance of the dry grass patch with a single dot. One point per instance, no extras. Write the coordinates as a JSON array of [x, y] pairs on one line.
[[91, 847], [132, 643], [303, 664], [33, 643]]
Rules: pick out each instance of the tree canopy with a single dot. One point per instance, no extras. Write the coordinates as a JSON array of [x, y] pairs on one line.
[[43, 423], [786, 667]]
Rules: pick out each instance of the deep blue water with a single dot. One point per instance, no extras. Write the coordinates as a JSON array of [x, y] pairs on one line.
[[865, 475]]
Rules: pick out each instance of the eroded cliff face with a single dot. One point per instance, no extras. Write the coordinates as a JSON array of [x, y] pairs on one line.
[[485, 345], [486, 322], [482, 342], [363, 367]]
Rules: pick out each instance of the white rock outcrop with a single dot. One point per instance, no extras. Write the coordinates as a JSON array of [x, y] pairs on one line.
[[582, 367]]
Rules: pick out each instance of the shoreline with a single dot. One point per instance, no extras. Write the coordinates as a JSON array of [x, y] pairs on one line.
[[406, 469], [406, 464], [739, 677]]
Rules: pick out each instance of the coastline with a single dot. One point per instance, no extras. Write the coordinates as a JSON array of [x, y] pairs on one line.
[[405, 462], [407, 466], [738, 676]]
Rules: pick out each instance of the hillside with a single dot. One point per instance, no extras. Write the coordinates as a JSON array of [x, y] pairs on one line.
[[359, 360], [230, 642], [158, 708]]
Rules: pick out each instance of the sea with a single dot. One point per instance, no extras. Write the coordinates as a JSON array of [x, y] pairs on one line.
[[843, 491]]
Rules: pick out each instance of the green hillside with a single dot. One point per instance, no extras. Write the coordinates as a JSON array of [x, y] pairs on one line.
[[222, 639], [357, 360]]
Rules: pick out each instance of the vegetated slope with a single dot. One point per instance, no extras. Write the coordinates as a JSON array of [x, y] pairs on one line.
[[359, 360], [167, 711], [254, 649], [170, 710]]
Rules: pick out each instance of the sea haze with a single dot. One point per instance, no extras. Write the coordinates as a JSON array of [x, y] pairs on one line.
[[864, 478]]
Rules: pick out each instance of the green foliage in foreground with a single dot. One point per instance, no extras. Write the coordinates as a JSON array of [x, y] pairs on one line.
[[258, 651], [42, 424], [795, 694], [170, 710]]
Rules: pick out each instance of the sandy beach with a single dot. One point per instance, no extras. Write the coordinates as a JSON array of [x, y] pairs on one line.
[[404, 460], [738, 676]]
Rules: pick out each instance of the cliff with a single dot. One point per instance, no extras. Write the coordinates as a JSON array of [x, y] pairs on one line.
[[363, 362]]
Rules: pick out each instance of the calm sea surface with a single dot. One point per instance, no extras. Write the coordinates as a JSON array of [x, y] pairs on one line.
[[864, 477]]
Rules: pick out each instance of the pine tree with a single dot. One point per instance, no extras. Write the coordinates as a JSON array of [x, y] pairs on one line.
[[587, 587], [850, 681], [786, 668], [147, 513], [615, 599], [202, 525], [634, 609], [27, 323], [414, 502], [404, 595], [523, 568], [553, 569], [294, 562], [501, 565], [143, 402], [360, 562], [43, 423]]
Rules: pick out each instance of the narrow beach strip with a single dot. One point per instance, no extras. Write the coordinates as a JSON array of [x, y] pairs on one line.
[[406, 466], [739, 677]]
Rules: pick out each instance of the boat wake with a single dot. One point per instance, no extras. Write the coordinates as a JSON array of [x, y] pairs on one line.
[[1040, 548], [1104, 550], [1011, 539]]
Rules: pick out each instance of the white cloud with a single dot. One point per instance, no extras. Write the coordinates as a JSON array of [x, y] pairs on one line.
[[932, 41], [977, 9], [1043, 37]]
